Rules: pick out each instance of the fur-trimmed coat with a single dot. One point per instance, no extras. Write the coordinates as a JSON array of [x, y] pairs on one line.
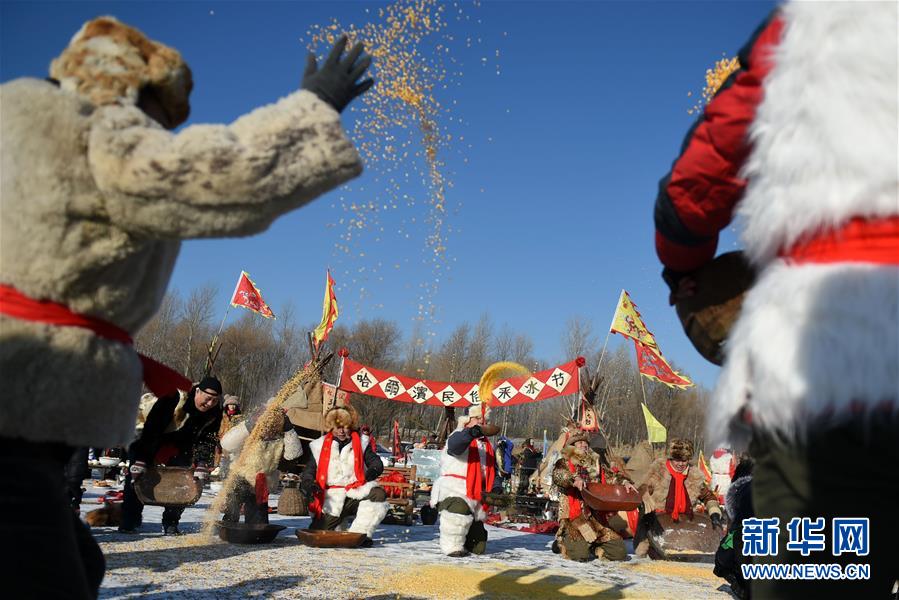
[[658, 480], [800, 141], [454, 466], [824, 151], [590, 461], [95, 203], [341, 472], [176, 422]]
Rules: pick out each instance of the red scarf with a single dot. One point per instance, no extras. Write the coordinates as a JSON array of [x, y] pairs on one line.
[[321, 475], [680, 502], [575, 501], [475, 478], [874, 240], [160, 379], [575, 509]]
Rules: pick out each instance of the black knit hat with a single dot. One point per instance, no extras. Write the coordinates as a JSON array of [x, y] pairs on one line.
[[210, 383]]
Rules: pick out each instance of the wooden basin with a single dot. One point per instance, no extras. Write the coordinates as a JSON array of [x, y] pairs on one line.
[[241, 533], [606, 497], [330, 539], [168, 486], [685, 539]]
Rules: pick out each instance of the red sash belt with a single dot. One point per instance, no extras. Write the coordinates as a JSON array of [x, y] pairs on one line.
[[159, 379], [862, 240]]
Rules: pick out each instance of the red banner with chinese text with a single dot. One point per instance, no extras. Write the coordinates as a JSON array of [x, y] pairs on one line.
[[361, 379]]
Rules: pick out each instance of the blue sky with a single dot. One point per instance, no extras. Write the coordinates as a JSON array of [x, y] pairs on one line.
[[572, 119]]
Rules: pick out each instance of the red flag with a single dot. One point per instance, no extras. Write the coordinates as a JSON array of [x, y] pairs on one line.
[[397, 447], [652, 364], [246, 294]]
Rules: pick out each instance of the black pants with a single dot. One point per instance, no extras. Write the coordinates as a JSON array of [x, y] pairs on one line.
[[76, 471], [847, 470], [244, 494], [49, 553]]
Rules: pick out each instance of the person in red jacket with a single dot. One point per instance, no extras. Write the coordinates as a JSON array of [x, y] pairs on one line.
[[801, 145]]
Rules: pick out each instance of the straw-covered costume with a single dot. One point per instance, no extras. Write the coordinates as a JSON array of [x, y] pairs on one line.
[[256, 447], [341, 477]]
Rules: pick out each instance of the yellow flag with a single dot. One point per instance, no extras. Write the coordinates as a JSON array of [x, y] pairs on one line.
[[329, 313], [628, 322], [704, 467], [656, 431]]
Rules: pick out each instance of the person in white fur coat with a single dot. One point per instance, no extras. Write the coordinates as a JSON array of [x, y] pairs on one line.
[[340, 477], [96, 194], [467, 472], [801, 143]]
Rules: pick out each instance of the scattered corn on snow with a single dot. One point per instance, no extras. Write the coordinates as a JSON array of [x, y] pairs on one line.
[[405, 562]]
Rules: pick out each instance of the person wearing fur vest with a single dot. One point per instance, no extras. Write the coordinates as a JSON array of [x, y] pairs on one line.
[[253, 459], [96, 199], [340, 477], [583, 533], [467, 472], [800, 145], [181, 430], [673, 486]]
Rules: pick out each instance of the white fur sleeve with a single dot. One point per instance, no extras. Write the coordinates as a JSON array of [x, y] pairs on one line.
[[293, 448], [218, 180]]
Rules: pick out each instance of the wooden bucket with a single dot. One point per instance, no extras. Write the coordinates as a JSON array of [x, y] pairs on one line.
[[708, 315], [330, 539], [168, 486]]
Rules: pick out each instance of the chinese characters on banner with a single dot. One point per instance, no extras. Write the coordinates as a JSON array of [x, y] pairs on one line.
[[332, 397], [558, 381], [628, 322]]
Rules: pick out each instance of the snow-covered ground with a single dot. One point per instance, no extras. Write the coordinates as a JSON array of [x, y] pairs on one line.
[[404, 563]]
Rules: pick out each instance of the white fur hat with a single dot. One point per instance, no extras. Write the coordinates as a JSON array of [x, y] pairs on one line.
[[108, 62], [475, 410]]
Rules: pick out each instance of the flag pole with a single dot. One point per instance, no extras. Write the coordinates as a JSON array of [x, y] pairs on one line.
[[209, 358], [648, 435]]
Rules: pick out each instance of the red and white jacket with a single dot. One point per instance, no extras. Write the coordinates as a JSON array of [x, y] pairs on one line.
[[800, 145]]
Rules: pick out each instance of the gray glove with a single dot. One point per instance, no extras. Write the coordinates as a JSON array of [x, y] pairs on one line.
[[335, 81]]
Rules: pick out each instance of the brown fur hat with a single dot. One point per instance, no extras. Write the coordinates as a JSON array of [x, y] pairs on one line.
[[108, 62], [577, 436], [342, 416], [681, 449]]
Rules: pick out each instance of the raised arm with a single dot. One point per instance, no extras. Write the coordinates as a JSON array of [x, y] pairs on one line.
[[218, 180]]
